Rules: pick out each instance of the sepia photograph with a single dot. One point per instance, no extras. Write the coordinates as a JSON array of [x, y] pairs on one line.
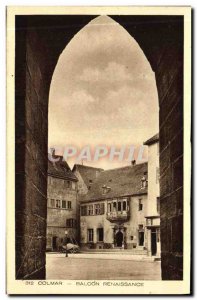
[[99, 120]]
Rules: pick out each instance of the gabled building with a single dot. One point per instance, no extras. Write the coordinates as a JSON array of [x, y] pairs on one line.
[[86, 177], [112, 213], [62, 205], [153, 201]]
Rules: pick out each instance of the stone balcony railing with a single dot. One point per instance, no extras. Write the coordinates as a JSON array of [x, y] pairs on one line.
[[118, 216]]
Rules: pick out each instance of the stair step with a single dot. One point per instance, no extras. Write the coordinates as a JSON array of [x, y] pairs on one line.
[[123, 252]]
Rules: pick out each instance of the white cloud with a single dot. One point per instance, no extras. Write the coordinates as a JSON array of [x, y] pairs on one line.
[[112, 72]]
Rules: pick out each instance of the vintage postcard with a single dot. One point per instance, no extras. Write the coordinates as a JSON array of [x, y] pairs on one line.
[[98, 150]]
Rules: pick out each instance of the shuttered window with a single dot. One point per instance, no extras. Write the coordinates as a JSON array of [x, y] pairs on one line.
[[71, 223], [90, 235], [102, 208], [63, 203], [84, 210]]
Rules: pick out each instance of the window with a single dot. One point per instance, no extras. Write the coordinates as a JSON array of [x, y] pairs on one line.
[[70, 223], [102, 208], [57, 204], [104, 189], [124, 205], [158, 205], [90, 210], [68, 184], [149, 222], [119, 206], [140, 205], [100, 234], [90, 235], [109, 207], [52, 203], [63, 203], [114, 206], [144, 182], [83, 210], [73, 185], [69, 205], [97, 209], [141, 235], [131, 237]]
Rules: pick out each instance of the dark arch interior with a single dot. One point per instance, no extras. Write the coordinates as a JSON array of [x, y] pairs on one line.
[[39, 42]]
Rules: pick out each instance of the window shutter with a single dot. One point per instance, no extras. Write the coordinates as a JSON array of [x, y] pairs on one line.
[[102, 208]]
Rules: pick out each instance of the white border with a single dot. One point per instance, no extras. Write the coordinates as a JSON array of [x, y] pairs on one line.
[[157, 287]]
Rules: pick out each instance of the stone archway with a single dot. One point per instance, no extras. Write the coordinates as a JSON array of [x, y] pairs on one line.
[[39, 42]]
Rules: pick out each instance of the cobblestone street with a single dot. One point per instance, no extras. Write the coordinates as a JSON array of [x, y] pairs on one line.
[[101, 267]]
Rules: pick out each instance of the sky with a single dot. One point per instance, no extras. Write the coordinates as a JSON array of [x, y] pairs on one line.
[[103, 92]]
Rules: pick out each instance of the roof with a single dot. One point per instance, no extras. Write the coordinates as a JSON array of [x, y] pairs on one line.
[[87, 173], [152, 140], [60, 169], [121, 182]]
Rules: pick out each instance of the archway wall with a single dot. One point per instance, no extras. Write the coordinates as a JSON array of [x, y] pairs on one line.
[[169, 77], [39, 42], [38, 46], [31, 104]]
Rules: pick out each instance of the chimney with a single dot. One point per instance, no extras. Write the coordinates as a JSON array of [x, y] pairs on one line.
[[133, 162]]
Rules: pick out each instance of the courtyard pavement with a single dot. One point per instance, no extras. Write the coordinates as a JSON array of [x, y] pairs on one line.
[[84, 266]]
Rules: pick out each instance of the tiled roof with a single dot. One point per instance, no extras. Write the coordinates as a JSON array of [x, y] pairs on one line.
[[60, 169], [120, 182], [152, 140], [87, 173]]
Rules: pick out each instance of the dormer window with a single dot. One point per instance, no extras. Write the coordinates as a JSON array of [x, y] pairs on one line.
[[104, 189], [144, 182]]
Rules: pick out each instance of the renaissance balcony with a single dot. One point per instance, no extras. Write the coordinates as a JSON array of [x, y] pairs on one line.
[[118, 216]]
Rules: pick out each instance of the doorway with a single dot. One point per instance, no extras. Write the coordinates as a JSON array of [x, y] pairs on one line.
[[119, 239], [153, 242], [100, 235], [141, 238], [54, 243]]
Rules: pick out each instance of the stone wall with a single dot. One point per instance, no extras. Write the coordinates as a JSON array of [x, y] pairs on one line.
[[31, 153], [169, 77]]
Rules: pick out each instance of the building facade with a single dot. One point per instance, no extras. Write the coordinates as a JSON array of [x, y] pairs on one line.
[[112, 213], [112, 209], [62, 205], [153, 201]]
